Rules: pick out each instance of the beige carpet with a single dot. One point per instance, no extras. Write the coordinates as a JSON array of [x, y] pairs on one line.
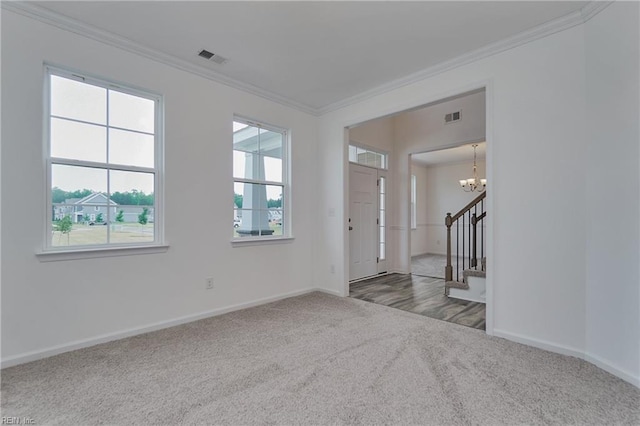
[[316, 359]]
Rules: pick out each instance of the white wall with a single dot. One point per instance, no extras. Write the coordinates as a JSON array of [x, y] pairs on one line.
[[535, 113], [50, 304], [374, 134], [439, 193], [424, 129], [420, 235], [613, 211]]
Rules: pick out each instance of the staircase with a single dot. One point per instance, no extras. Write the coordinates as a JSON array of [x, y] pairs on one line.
[[466, 233]]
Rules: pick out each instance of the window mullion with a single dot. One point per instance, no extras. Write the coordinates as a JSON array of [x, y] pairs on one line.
[[99, 165], [258, 182]]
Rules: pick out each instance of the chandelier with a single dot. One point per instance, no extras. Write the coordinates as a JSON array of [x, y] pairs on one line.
[[474, 184]]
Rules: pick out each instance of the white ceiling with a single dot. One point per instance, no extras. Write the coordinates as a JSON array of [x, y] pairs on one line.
[[315, 54], [451, 155]]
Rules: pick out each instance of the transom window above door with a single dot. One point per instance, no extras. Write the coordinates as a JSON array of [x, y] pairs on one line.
[[368, 157]]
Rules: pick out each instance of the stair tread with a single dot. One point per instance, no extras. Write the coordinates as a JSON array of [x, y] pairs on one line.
[[456, 284], [473, 273]]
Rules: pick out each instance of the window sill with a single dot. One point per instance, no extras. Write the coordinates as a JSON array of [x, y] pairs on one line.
[[91, 253], [247, 241]]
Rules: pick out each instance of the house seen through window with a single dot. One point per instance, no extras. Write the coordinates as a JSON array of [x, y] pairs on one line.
[[102, 163], [259, 180]]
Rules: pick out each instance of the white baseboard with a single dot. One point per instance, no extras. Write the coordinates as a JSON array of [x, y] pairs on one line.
[[606, 366], [92, 341], [541, 344], [324, 290], [566, 350]]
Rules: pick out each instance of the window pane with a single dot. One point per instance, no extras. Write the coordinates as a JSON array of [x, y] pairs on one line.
[[238, 164], [353, 155], [272, 169], [246, 139], [270, 143], [131, 148], [77, 100], [261, 212], [276, 221], [78, 141], [264, 218], [254, 196], [367, 157], [131, 224], [131, 112], [247, 166], [238, 126], [237, 221], [274, 196], [132, 188], [382, 218], [383, 254], [252, 222], [72, 227], [258, 167], [78, 182]]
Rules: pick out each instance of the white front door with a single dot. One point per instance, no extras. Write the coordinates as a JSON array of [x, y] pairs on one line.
[[363, 227]]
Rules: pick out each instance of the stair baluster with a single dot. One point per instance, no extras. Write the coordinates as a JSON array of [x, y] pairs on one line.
[[472, 214]]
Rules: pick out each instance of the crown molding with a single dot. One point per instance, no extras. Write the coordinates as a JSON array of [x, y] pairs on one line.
[[548, 28], [47, 16], [592, 8], [72, 25]]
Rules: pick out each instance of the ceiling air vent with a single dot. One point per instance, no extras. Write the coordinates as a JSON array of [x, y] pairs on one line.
[[212, 57], [452, 117]]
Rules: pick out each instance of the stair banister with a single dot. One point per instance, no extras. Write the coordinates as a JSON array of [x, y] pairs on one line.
[[474, 219]]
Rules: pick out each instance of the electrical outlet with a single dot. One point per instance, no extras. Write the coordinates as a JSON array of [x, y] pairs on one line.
[[209, 283]]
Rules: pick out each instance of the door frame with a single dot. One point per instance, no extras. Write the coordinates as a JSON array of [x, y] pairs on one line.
[[421, 100], [375, 174], [443, 147]]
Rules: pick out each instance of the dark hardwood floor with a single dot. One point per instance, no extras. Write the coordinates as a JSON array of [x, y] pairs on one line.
[[420, 295]]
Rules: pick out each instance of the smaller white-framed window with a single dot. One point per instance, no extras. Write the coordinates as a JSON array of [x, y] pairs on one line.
[[368, 157], [414, 202], [260, 181]]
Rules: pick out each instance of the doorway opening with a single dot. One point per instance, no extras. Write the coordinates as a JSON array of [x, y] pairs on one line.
[[436, 190], [429, 152]]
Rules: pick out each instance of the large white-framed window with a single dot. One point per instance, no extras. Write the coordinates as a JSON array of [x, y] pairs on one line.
[[260, 181], [104, 163]]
